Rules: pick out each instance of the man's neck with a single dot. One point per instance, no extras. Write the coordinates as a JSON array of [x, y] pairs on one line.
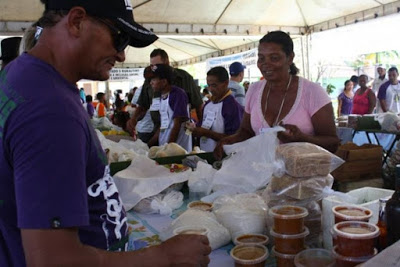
[[382, 77], [166, 90], [236, 79]]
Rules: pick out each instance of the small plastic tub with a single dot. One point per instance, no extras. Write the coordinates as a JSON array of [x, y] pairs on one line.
[[315, 257], [355, 239], [351, 213], [249, 255], [200, 205], [288, 220], [190, 230], [343, 261], [290, 244], [284, 260], [251, 239]]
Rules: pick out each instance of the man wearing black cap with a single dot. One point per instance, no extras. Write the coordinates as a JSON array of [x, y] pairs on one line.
[[9, 50], [59, 205]]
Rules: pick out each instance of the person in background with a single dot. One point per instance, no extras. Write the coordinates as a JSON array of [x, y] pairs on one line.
[[246, 85], [354, 80], [364, 100], [381, 79], [181, 79], [302, 107], [389, 92], [221, 115], [59, 205], [206, 94], [101, 105], [174, 109], [88, 105], [82, 95], [9, 50], [345, 99], [236, 70]]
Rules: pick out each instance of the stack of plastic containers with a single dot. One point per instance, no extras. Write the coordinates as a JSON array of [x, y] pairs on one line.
[[289, 232], [353, 237]]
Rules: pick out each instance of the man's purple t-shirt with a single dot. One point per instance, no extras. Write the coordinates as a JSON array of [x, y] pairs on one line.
[[178, 102], [53, 169]]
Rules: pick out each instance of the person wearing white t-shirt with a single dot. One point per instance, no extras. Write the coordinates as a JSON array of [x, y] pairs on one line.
[[389, 92], [381, 79]]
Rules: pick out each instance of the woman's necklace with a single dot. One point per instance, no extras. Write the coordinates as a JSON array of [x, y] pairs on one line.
[[282, 103]]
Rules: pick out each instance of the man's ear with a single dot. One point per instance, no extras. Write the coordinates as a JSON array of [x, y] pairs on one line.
[[76, 16]]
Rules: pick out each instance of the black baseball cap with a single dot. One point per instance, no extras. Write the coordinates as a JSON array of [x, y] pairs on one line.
[[118, 11]]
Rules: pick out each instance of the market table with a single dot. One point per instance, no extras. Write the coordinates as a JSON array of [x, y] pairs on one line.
[[145, 229]]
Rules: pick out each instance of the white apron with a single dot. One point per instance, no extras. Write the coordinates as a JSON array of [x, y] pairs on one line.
[[212, 120], [167, 122]]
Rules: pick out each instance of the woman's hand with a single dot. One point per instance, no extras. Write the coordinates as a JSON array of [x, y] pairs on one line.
[[219, 149], [292, 134]]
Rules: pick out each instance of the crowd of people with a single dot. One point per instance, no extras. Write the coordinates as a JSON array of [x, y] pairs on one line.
[[361, 97], [59, 204]]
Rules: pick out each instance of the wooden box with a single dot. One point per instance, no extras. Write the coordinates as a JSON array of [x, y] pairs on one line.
[[361, 162]]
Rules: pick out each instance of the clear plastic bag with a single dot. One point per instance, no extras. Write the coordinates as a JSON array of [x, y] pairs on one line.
[[241, 214], [307, 160], [218, 235], [299, 188]]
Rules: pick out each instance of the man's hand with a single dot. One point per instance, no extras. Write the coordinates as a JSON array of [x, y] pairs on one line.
[[187, 250], [131, 127]]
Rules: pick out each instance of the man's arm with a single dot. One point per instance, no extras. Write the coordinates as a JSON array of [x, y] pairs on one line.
[[137, 116], [63, 248], [176, 128]]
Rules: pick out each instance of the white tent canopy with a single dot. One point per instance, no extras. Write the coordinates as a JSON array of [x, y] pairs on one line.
[[192, 30]]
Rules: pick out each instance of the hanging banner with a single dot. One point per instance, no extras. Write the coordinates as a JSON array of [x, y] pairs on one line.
[[247, 58], [118, 74]]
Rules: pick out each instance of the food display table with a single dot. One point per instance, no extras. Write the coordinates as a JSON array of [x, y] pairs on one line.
[[145, 229]]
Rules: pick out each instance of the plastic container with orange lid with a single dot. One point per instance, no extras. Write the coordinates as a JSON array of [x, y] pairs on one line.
[[288, 219], [249, 255], [284, 260], [290, 244], [315, 257], [351, 213], [355, 239], [251, 239], [343, 261]]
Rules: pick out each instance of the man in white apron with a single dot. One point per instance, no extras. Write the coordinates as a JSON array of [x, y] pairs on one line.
[[389, 93], [174, 108], [222, 115]]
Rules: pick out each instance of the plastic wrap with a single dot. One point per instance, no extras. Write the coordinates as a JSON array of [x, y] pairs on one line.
[[241, 214], [307, 160], [218, 235], [299, 188], [163, 203], [167, 150], [116, 151], [389, 121]]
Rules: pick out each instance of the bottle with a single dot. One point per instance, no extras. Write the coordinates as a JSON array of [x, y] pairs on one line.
[[382, 240], [392, 211]]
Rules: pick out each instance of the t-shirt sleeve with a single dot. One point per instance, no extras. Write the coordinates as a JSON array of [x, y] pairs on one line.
[[50, 172], [232, 112], [317, 97], [382, 91], [90, 109], [178, 102]]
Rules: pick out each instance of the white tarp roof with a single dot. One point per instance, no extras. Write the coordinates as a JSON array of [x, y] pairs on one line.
[[193, 30]]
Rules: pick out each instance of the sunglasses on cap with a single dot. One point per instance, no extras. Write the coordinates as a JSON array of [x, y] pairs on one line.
[[120, 38]]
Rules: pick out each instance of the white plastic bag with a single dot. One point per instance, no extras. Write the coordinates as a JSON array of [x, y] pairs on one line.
[[218, 235], [137, 146], [250, 165], [163, 203], [389, 121], [143, 179], [200, 180], [241, 214]]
